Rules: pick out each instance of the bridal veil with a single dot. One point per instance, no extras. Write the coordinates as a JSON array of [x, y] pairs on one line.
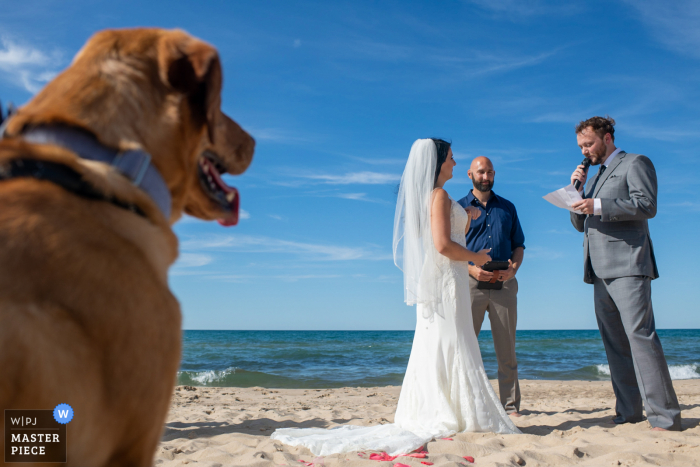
[[414, 251]]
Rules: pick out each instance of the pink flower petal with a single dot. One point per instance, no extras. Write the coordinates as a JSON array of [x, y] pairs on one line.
[[398, 464], [469, 459], [447, 439], [427, 463], [382, 457]]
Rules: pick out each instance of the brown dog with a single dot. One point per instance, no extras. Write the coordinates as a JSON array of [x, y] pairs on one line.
[[86, 315]]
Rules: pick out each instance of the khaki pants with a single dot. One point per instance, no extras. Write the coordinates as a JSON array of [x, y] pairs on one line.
[[502, 306]]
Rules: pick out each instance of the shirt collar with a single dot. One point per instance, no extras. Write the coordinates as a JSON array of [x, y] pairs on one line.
[[610, 158], [471, 197]]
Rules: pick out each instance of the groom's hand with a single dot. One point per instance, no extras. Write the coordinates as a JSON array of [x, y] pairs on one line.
[[508, 273], [585, 206], [579, 174], [479, 274]]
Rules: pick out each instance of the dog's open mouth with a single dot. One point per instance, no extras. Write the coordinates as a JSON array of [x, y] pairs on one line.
[[210, 171]]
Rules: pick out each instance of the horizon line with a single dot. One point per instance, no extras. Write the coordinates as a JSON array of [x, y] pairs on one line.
[[407, 330]]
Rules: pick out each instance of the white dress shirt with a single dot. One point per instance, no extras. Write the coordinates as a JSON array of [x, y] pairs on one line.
[[597, 205]]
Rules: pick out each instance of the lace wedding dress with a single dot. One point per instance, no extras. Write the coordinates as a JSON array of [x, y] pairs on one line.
[[445, 389]]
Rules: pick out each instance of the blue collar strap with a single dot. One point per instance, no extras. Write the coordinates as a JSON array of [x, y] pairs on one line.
[[133, 164]]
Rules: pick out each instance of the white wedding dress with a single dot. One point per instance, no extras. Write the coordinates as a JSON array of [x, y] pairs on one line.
[[445, 389]]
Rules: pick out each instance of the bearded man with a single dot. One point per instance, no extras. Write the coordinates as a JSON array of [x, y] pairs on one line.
[[497, 228], [618, 259]]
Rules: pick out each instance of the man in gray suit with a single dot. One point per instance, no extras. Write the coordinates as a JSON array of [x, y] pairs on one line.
[[619, 262]]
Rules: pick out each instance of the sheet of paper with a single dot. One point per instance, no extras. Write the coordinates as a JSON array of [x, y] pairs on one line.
[[564, 198]]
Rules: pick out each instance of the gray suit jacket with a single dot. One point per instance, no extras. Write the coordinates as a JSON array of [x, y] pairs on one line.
[[617, 243]]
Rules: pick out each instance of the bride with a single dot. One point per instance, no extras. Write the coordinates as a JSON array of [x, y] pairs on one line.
[[445, 389]]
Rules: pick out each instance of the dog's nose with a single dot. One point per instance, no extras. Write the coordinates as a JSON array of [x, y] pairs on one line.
[[247, 149], [242, 154]]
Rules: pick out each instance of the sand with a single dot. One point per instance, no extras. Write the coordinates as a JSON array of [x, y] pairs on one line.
[[563, 423]]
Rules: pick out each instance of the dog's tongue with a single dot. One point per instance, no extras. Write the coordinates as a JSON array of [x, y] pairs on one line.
[[232, 197], [232, 217]]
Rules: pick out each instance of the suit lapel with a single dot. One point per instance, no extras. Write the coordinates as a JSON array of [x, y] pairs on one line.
[[608, 171]]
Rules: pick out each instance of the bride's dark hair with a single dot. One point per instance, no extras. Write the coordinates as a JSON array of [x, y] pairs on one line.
[[443, 148]]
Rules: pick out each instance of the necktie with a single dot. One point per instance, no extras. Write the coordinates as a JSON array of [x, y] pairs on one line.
[[597, 178]]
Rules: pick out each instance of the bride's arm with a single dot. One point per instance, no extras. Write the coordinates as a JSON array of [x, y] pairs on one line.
[[440, 224]]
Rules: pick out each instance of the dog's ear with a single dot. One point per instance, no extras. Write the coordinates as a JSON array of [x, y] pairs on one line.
[[192, 67]]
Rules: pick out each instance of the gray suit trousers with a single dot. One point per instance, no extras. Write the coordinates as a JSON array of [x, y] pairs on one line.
[[638, 367]]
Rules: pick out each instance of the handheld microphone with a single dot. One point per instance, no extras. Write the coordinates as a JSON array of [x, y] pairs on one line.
[[586, 163]]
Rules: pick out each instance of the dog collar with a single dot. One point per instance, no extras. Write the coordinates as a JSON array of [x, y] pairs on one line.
[[62, 176], [133, 164]]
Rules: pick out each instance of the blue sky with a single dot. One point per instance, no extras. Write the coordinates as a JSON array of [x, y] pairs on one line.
[[336, 92]]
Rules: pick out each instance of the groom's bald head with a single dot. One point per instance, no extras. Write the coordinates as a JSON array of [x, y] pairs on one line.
[[481, 172], [481, 161]]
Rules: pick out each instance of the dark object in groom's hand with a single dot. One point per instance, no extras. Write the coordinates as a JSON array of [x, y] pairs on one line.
[[585, 163], [494, 283]]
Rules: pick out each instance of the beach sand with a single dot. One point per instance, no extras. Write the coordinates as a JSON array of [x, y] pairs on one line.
[[564, 423]]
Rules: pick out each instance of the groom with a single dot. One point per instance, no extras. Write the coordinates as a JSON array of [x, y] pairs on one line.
[[497, 228], [619, 262]]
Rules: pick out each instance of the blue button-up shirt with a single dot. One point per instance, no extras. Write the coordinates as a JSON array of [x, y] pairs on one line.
[[497, 228]]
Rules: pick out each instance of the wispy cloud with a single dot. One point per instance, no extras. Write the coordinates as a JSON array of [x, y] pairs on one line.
[[448, 64], [359, 197], [558, 173], [360, 178], [503, 156], [279, 135], [252, 278], [298, 179], [26, 66], [570, 116], [282, 277], [381, 50], [462, 156], [518, 9], [355, 196], [477, 63], [542, 107], [13, 55], [543, 253], [495, 64], [674, 24], [308, 251], [662, 134], [192, 260], [381, 161], [637, 96], [187, 219], [562, 232], [687, 205]]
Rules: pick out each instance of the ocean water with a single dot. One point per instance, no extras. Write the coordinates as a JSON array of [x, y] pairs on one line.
[[328, 359]]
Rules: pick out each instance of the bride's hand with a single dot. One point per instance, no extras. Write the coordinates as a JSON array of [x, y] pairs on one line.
[[473, 212], [482, 257]]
